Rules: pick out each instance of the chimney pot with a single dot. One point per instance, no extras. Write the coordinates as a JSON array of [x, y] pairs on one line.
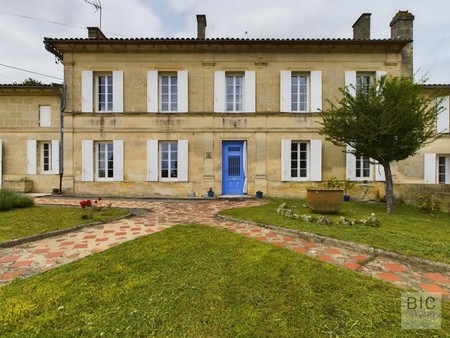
[[201, 26], [361, 28], [402, 29]]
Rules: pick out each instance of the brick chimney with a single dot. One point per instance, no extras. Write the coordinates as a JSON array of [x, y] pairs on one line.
[[361, 28], [95, 33], [402, 29], [201, 26]]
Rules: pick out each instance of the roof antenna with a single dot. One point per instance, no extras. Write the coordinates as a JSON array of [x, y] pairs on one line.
[[98, 6]]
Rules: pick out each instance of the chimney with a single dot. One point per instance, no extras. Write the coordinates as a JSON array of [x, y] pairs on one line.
[[402, 29], [201, 26], [361, 28], [95, 33]]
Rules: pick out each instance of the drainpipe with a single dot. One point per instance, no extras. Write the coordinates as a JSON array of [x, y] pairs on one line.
[[62, 96]]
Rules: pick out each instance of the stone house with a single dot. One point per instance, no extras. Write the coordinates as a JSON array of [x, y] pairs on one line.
[[166, 116]]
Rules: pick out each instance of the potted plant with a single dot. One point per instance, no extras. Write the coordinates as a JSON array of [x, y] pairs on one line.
[[210, 192], [347, 185], [327, 199]]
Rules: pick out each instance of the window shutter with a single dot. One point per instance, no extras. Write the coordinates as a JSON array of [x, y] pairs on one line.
[[87, 91], [31, 157], [443, 119], [350, 82], [87, 160], [1, 163], [285, 91], [379, 173], [45, 116], [55, 156], [118, 160], [152, 160], [316, 91], [250, 92], [285, 160], [219, 92], [183, 160], [152, 91], [350, 165], [315, 168], [118, 91], [379, 74], [429, 174], [183, 91]]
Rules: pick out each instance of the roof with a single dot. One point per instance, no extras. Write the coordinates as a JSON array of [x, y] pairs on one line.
[[52, 89], [59, 46]]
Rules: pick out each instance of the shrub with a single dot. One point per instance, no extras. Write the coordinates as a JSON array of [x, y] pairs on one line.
[[427, 203], [10, 200]]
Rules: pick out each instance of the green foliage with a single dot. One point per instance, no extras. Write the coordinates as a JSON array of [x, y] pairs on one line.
[[198, 281], [390, 122], [29, 82], [428, 203], [10, 200]]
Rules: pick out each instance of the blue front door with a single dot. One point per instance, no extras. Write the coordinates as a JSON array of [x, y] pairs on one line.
[[233, 175]]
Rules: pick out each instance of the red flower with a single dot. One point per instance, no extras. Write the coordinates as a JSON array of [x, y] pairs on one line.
[[83, 204]]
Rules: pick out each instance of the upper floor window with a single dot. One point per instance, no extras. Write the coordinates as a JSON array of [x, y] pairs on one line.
[[104, 93], [101, 91], [300, 91], [45, 116], [167, 91], [363, 82], [443, 119], [234, 91]]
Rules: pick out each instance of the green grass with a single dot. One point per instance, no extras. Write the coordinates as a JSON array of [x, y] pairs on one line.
[[407, 231], [10, 200], [198, 281], [19, 223]]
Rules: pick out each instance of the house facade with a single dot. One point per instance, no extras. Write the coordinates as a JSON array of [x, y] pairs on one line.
[[164, 117]]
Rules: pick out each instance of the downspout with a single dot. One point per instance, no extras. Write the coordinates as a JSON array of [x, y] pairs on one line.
[[61, 138]]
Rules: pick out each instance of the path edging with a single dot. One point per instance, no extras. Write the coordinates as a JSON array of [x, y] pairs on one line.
[[345, 244]]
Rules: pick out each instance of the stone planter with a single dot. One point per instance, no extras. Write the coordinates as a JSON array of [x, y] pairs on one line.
[[18, 185], [324, 201]]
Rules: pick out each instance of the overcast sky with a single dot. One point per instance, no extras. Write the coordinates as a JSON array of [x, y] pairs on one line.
[[24, 24]]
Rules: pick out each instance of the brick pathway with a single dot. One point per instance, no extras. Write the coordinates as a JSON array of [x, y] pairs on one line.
[[35, 257]]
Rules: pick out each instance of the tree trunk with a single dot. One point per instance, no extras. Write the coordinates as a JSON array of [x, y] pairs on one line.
[[389, 187]]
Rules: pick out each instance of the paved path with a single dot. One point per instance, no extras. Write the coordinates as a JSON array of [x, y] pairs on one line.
[[32, 258]]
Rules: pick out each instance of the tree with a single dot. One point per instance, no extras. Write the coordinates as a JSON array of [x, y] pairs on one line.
[[29, 82], [388, 122]]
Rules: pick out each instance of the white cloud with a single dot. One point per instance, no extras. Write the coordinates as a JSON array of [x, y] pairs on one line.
[[22, 46]]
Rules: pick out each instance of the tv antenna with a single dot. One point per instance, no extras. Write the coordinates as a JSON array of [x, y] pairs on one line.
[[98, 6]]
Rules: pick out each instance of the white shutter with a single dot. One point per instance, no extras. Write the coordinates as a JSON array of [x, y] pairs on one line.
[[316, 91], [429, 174], [183, 160], [350, 167], [443, 119], [379, 74], [183, 91], [379, 173], [285, 160], [152, 91], [219, 92], [1, 163], [118, 91], [55, 156], [315, 168], [350, 82], [87, 160], [118, 160], [31, 157], [45, 116], [152, 160], [87, 91], [250, 92], [285, 91]]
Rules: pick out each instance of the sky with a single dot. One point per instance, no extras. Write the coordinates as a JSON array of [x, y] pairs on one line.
[[25, 23]]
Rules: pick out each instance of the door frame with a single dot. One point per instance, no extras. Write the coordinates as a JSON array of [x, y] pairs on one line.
[[244, 164]]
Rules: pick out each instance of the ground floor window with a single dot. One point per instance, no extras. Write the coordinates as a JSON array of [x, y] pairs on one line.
[[168, 160], [301, 160], [105, 160]]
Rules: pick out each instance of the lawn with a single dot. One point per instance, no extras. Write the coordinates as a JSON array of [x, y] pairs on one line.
[[407, 231], [199, 281], [19, 223]]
